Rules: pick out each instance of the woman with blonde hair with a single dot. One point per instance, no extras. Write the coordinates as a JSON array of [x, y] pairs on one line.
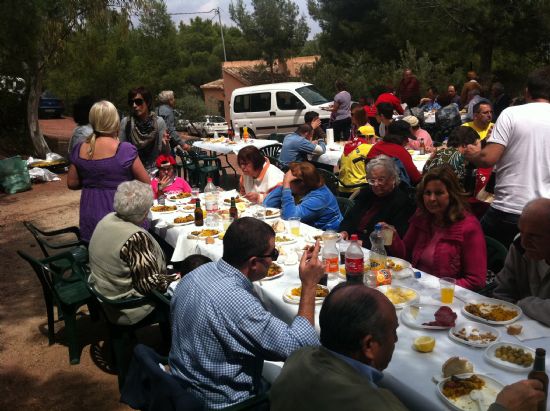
[[99, 165]]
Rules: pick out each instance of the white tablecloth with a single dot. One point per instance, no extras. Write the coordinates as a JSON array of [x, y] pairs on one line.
[[224, 148], [409, 374]]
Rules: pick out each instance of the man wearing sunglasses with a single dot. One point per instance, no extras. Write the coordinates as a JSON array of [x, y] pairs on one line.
[[143, 128], [221, 333]]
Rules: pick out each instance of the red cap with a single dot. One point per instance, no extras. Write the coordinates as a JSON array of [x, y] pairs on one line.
[[354, 237], [165, 160]]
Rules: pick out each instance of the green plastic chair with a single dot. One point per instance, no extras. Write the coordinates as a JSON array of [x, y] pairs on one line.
[[277, 136], [272, 150], [65, 288], [496, 255], [278, 164], [55, 239], [122, 337]]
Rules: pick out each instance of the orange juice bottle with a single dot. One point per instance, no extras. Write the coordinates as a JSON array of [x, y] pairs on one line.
[[245, 134]]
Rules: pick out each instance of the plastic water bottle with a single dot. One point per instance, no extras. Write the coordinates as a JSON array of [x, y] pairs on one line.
[[210, 196], [237, 136], [354, 262], [377, 273], [330, 255]]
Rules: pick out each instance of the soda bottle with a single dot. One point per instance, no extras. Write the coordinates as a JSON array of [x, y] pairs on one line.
[[539, 373], [245, 134], [199, 216], [354, 262], [422, 147], [330, 255], [211, 196], [377, 273], [233, 212]]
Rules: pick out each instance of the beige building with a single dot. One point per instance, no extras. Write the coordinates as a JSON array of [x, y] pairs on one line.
[[235, 74]]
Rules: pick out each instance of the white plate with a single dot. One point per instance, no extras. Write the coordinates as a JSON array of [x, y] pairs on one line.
[[276, 214], [490, 357], [415, 315], [180, 224], [201, 237], [465, 403], [398, 261], [266, 278], [384, 288], [290, 237], [504, 304], [163, 212], [294, 299], [310, 237], [473, 328]]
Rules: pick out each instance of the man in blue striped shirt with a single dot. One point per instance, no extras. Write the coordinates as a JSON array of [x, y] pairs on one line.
[[221, 333]]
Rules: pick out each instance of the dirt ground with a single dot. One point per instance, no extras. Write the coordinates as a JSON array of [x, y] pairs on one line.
[[34, 375]]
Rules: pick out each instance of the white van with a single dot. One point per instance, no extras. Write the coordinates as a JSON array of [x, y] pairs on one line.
[[275, 108]]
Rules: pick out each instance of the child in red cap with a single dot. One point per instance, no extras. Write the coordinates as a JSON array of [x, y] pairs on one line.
[[167, 181]]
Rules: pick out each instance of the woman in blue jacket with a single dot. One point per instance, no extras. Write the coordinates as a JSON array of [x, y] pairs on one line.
[[305, 195]]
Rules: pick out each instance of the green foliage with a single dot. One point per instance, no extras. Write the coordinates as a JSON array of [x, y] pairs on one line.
[[274, 25]]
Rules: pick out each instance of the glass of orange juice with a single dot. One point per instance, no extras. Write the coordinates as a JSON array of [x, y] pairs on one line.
[[447, 287], [294, 224]]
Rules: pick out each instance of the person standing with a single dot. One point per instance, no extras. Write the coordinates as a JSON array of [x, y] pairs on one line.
[[165, 110], [81, 112], [409, 88], [519, 147], [341, 112], [144, 129]]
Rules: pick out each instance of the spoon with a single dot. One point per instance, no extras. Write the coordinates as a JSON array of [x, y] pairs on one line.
[[477, 396]]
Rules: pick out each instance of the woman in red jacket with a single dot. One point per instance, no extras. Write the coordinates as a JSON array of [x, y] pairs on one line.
[[393, 145], [443, 238]]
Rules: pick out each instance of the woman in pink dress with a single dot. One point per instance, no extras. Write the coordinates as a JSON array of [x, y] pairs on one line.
[[443, 238]]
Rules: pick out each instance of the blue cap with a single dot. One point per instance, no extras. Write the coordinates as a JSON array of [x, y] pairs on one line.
[[417, 274]]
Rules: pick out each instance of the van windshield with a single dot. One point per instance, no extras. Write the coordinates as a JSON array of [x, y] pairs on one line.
[[312, 95]]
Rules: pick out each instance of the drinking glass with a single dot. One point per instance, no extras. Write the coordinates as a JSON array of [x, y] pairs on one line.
[[195, 192], [294, 224], [447, 287]]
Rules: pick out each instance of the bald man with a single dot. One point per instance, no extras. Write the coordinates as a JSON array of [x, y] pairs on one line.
[[358, 334], [525, 278]]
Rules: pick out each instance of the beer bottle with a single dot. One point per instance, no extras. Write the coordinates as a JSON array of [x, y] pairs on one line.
[[422, 147], [233, 212], [539, 373], [199, 216]]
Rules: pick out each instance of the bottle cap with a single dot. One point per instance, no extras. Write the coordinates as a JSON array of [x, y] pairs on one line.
[[417, 274], [354, 237], [378, 227], [209, 180]]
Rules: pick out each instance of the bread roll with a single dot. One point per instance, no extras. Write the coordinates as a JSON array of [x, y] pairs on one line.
[[457, 365], [514, 329]]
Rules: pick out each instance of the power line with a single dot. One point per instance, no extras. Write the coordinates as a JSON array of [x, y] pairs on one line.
[[194, 12]]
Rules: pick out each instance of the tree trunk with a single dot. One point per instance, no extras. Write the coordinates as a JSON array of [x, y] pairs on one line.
[[485, 57], [35, 86]]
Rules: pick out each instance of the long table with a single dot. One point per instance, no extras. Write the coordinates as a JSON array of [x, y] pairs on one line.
[[410, 373]]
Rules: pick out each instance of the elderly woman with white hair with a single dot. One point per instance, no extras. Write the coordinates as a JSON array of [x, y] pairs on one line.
[[385, 198], [99, 164], [167, 103], [125, 260]]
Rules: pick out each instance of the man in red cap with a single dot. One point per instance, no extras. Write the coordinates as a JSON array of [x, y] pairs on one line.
[[167, 181]]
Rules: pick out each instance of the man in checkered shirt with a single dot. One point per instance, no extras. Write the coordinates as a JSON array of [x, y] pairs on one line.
[[221, 333]]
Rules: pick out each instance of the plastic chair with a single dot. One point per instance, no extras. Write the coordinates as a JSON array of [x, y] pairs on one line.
[[199, 167], [67, 289], [272, 150], [57, 238], [148, 387], [123, 337], [278, 164], [345, 205], [277, 136], [331, 180], [496, 255]]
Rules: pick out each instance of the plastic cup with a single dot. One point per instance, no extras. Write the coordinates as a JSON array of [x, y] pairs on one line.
[[387, 234], [447, 287], [195, 192], [227, 220], [294, 224], [259, 212]]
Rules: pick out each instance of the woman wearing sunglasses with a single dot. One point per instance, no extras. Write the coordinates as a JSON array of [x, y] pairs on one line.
[[144, 129]]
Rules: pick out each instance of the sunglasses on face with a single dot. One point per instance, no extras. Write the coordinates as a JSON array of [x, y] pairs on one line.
[[136, 101], [274, 255]]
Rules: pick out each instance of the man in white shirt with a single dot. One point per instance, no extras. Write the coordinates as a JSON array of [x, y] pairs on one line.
[[519, 147]]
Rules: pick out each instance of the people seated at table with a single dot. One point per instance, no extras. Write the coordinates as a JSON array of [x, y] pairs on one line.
[[305, 195], [144, 128], [389, 97], [298, 145], [384, 116], [454, 98], [430, 103], [419, 134], [125, 260], [453, 154], [360, 123], [384, 199], [351, 163], [483, 114], [499, 98], [99, 164], [393, 145], [474, 97], [525, 278], [167, 181], [259, 177], [443, 238], [221, 332], [312, 118], [358, 336]]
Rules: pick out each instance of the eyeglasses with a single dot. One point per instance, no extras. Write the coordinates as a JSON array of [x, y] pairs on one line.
[[373, 181], [136, 101], [274, 255]]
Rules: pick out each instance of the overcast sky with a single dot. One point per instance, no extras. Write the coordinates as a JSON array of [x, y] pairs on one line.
[[192, 6]]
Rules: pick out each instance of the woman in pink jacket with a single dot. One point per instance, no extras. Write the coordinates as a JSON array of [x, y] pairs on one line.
[[443, 238]]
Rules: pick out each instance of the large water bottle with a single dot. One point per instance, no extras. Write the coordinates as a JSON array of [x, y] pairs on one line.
[[330, 255], [211, 196], [377, 273], [354, 262]]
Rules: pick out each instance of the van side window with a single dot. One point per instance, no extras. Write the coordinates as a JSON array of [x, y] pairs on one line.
[[287, 101], [252, 102]]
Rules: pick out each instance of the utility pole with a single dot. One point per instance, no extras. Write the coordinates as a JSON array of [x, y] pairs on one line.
[[221, 31]]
